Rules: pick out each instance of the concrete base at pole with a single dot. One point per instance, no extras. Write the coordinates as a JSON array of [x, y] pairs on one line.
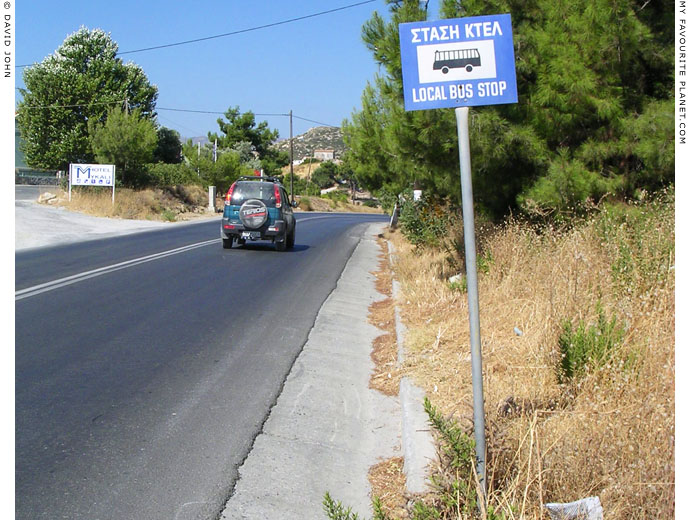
[[212, 198]]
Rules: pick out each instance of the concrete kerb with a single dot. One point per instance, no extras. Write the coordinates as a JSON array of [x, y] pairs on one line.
[[327, 427], [417, 442]]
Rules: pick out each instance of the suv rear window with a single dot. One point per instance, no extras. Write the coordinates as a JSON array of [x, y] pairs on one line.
[[263, 191]]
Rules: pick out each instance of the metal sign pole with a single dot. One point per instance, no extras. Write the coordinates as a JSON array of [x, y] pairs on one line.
[[462, 116], [69, 183], [478, 70]]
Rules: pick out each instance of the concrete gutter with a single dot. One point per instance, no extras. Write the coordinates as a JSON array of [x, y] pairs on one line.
[[418, 445], [328, 427]]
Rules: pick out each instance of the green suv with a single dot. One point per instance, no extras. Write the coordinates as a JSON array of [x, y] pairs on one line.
[[258, 208]]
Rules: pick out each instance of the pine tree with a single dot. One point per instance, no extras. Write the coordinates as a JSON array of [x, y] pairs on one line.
[[594, 117]]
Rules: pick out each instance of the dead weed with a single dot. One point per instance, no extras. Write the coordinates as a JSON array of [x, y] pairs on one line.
[[609, 433], [386, 375]]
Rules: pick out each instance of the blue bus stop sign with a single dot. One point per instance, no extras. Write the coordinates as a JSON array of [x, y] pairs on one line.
[[458, 62]]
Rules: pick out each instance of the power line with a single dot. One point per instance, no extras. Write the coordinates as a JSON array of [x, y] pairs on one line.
[[191, 111], [179, 125], [312, 121], [211, 111], [214, 112], [261, 115], [241, 31]]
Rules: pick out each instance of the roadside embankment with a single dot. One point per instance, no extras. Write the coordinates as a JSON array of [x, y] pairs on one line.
[[577, 328], [173, 203]]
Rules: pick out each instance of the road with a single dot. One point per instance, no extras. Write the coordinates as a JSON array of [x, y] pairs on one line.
[[144, 375]]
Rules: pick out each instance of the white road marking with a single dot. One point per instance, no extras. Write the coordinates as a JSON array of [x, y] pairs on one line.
[[69, 280]]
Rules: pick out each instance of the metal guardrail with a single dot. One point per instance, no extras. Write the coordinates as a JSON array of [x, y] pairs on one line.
[[32, 177]]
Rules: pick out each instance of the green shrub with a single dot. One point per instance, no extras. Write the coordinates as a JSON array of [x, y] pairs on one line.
[[303, 187], [454, 483], [388, 199], [456, 445], [484, 262], [459, 286], [337, 196], [305, 204], [336, 510], [567, 185], [425, 222], [587, 347], [640, 239], [169, 216], [311, 160], [161, 174]]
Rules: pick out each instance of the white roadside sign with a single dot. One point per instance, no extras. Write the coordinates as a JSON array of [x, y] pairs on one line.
[[91, 175]]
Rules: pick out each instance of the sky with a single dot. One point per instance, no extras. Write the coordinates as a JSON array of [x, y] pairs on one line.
[[317, 67]]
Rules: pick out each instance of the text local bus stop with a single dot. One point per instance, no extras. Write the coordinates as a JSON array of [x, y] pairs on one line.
[[458, 63]]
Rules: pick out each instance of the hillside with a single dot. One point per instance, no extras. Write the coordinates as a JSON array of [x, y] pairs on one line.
[[318, 138], [301, 171]]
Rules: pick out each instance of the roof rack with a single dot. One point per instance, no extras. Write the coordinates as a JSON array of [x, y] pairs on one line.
[[258, 177]]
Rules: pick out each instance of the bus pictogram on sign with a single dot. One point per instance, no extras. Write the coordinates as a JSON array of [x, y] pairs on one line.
[[457, 59]]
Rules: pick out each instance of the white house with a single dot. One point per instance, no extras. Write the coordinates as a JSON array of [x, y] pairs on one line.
[[324, 155]]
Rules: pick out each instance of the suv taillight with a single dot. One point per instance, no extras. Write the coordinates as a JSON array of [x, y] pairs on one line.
[[229, 194], [276, 191]]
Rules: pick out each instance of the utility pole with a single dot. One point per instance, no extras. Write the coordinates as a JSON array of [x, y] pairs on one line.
[[292, 158]]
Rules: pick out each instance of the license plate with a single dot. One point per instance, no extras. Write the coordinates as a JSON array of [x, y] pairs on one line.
[[251, 235]]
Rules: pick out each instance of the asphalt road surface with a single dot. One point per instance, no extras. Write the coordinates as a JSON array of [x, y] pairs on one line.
[[146, 364]]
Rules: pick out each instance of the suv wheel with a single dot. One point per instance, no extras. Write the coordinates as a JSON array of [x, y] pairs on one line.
[[291, 239], [227, 243], [282, 245]]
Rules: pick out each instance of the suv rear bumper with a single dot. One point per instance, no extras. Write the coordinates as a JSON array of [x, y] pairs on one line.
[[233, 229]]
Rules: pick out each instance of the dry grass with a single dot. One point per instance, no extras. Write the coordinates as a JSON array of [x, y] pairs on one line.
[[386, 478], [388, 483], [609, 433], [313, 203], [175, 203], [386, 375]]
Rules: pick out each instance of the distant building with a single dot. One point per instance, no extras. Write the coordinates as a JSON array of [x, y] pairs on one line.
[[324, 155]]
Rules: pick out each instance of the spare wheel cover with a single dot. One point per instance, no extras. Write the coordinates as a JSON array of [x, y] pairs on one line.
[[253, 213]]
